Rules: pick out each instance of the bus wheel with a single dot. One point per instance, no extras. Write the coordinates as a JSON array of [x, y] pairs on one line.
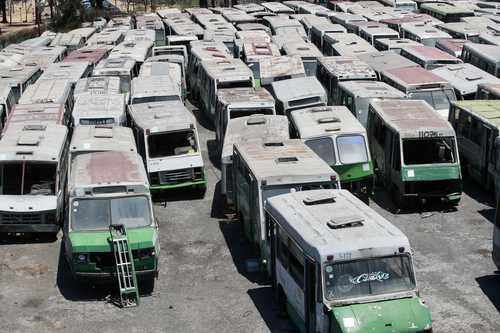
[[400, 202]]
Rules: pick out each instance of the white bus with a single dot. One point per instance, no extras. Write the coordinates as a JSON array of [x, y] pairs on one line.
[[91, 109], [20, 77], [57, 91], [124, 68], [98, 85], [158, 88], [299, 93], [334, 260], [33, 168]]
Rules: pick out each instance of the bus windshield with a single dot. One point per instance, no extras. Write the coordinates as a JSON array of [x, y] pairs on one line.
[[272, 191], [98, 214], [368, 277], [438, 99], [28, 178], [237, 113], [429, 150], [152, 99], [172, 144], [352, 149]]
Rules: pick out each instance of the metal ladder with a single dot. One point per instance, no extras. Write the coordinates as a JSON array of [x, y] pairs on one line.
[[125, 270]]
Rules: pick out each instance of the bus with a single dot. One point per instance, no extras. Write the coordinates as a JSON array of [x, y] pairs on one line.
[[414, 151], [318, 32], [451, 46], [92, 109], [486, 57], [219, 74], [298, 93], [33, 163], [19, 78], [386, 60], [476, 124], [398, 22], [272, 69], [167, 65], [44, 56], [345, 44], [85, 33], [334, 260], [158, 88], [346, 19], [135, 35], [406, 5], [167, 139], [91, 55], [446, 12], [111, 38], [224, 35], [423, 33], [336, 136], [395, 45], [242, 130], [124, 68], [137, 50], [70, 41], [491, 37], [463, 30], [264, 169], [71, 71], [57, 91], [254, 52], [307, 51], [373, 31], [240, 102], [277, 8], [281, 25], [98, 85], [420, 84], [429, 57], [333, 70], [465, 79], [7, 101], [96, 201], [152, 22]]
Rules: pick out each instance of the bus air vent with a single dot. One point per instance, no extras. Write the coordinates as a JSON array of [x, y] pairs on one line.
[[328, 120], [34, 127], [319, 199], [473, 77], [103, 132], [291, 159], [161, 115], [28, 140], [333, 129], [321, 109], [346, 221]]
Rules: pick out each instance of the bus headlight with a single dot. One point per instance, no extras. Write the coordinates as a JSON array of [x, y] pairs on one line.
[[81, 258]]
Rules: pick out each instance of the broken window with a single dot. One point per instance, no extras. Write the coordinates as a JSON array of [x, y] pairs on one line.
[[28, 178], [172, 144], [429, 151]]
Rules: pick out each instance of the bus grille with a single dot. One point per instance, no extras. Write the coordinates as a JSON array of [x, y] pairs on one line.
[[23, 218], [175, 176]]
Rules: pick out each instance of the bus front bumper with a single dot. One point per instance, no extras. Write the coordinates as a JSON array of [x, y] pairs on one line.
[[28, 228], [110, 277]]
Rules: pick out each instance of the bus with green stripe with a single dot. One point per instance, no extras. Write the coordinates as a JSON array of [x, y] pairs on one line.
[[338, 266], [336, 136], [414, 152], [107, 188], [167, 139]]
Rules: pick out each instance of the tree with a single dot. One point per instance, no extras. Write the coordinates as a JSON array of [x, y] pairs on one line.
[[3, 9], [67, 15]]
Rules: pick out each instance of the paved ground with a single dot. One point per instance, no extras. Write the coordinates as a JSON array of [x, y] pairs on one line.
[[203, 286]]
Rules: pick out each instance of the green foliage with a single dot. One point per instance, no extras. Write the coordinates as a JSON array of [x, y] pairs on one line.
[[68, 15]]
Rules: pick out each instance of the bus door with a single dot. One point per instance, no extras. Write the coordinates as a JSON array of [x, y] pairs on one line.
[[310, 295]]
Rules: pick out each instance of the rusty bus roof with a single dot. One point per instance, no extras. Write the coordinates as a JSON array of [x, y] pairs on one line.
[[411, 117], [465, 78], [252, 27], [41, 113], [33, 142], [413, 77], [187, 29], [92, 138], [252, 36], [280, 67], [47, 91], [254, 51], [209, 50], [491, 88], [285, 162], [347, 68], [195, 10], [108, 168], [428, 53], [410, 18], [44, 57], [140, 34], [91, 55], [249, 7], [384, 60], [158, 117], [452, 46], [254, 128], [325, 121], [302, 49], [446, 8], [98, 85], [245, 97], [239, 17], [138, 50], [486, 110]]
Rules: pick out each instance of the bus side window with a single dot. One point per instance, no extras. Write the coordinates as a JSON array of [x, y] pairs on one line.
[[475, 131], [296, 263], [282, 249], [396, 154]]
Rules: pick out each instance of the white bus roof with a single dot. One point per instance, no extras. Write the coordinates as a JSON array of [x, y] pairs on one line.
[[158, 117], [347, 68], [140, 34], [384, 60], [204, 50], [158, 85], [284, 162], [92, 138], [98, 85], [371, 89], [277, 7], [114, 67], [280, 67], [302, 49], [227, 70], [106, 38], [108, 168], [333, 222], [84, 32], [465, 77], [254, 128], [42, 113], [47, 91], [187, 29], [412, 117], [33, 142], [325, 121], [67, 39], [423, 30], [347, 44], [138, 50], [71, 71], [245, 97], [253, 36], [298, 88], [18, 75], [88, 105], [396, 43]]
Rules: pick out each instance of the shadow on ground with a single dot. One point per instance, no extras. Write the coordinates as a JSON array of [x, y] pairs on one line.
[[489, 285], [28, 238]]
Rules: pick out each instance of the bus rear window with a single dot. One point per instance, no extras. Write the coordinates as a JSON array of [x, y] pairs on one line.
[[237, 113], [171, 144], [352, 149], [28, 179], [429, 151], [234, 84]]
